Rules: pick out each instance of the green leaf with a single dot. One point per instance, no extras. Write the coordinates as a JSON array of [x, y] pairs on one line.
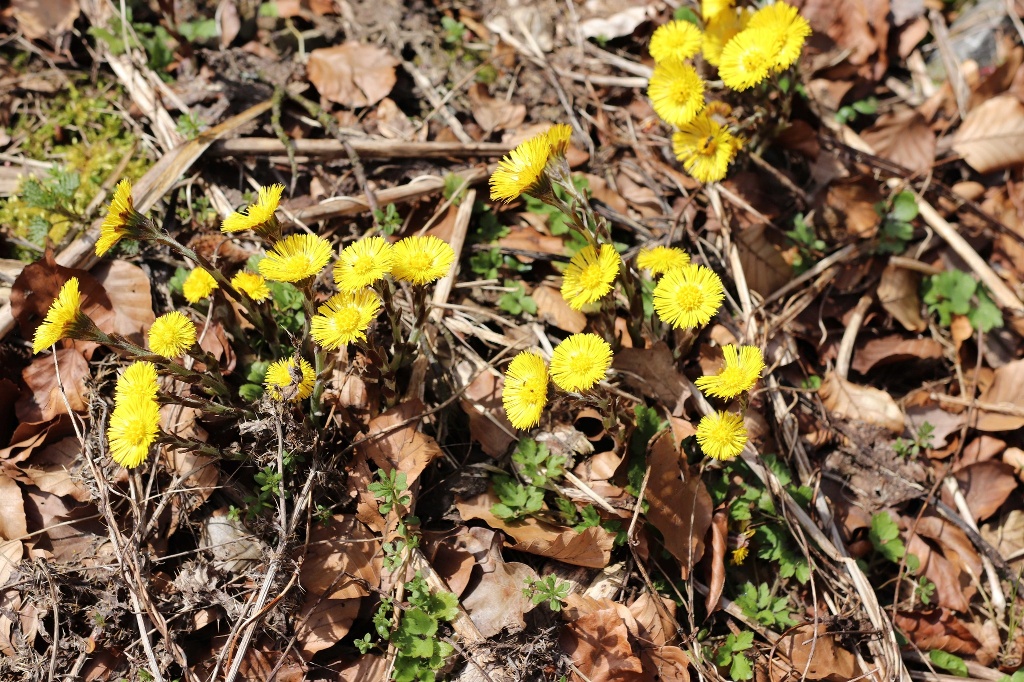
[[904, 207], [741, 668], [884, 535], [647, 424], [687, 14], [418, 622], [948, 661], [742, 641], [986, 316]]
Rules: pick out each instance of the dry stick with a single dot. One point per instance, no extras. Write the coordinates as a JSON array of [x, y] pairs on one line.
[[1002, 293], [845, 353], [819, 267], [458, 239], [995, 586], [425, 86]]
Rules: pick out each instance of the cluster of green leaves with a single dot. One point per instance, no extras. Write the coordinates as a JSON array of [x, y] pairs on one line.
[[388, 219], [391, 490], [922, 440], [729, 654], [420, 649], [517, 301], [252, 389], [849, 112], [155, 40], [884, 535], [896, 228], [954, 664], [1016, 677], [809, 247], [54, 195], [267, 487], [955, 292], [558, 222], [548, 589], [758, 602], [490, 263]]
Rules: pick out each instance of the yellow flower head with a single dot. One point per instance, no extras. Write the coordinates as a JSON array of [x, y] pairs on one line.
[[295, 258], [721, 435], [675, 41], [739, 555], [256, 215], [661, 259], [705, 148], [741, 370], [789, 29], [748, 58], [61, 318], [590, 275], [688, 297], [171, 335], [522, 171], [526, 390], [198, 285], [720, 29], [138, 382], [363, 263], [282, 380], [122, 218], [676, 92], [252, 285], [580, 361], [134, 425], [421, 259], [710, 9], [344, 318], [558, 137]]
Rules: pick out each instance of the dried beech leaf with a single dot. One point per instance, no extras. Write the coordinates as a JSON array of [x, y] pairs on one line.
[[654, 624], [850, 205], [496, 600], [986, 486], [13, 524], [324, 622], [816, 654], [127, 286], [405, 449], [904, 137], [715, 566], [763, 265], [937, 629], [1004, 390], [600, 647], [992, 135], [46, 19], [861, 403], [488, 424], [679, 508], [342, 559], [494, 114], [55, 469], [893, 349], [898, 293], [591, 548], [666, 664], [652, 372], [42, 400], [353, 74], [552, 309]]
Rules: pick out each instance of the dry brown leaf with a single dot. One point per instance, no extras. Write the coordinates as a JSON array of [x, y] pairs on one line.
[[73, 533], [860, 31], [652, 372], [42, 401], [55, 469], [849, 205], [201, 473], [953, 588], [403, 448], [599, 646], [861, 403], [481, 401], [765, 268], [496, 600], [493, 114], [552, 309], [451, 554], [49, 19], [1004, 390], [1006, 534], [893, 349], [714, 567], [353, 74], [986, 486], [127, 286], [665, 664], [818, 655], [324, 622], [367, 668], [654, 625], [992, 135], [31, 435], [898, 293], [679, 508], [903, 137], [937, 629], [528, 238], [591, 548], [13, 524]]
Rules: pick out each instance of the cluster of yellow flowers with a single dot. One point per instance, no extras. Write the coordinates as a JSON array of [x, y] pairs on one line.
[[745, 46], [135, 421]]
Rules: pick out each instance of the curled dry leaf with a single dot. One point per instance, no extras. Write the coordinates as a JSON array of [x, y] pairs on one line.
[[665, 664], [849, 205], [493, 114], [986, 486], [714, 564], [73, 533], [652, 372], [898, 293], [127, 286], [947, 559], [591, 548], [599, 645], [54, 469], [763, 265], [13, 524], [495, 599], [391, 446], [937, 629], [992, 135], [552, 309], [861, 403], [481, 401], [654, 625], [1006, 534], [46, 19], [893, 349], [42, 401], [1004, 390], [353, 74], [814, 653], [679, 507], [904, 137]]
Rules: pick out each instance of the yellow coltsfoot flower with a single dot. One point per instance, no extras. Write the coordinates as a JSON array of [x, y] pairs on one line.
[[122, 219], [171, 335], [284, 380], [63, 317], [661, 259], [362, 263], [258, 215], [676, 92], [421, 259], [721, 435], [748, 58], [558, 137], [134, 425], [705, 148], [526, 390], [710, 9], [676, 40], [740, 371], [590, 275], [789, 29], [198, 285], [295, 258], [137, 382], [688, 296], [580, 361], [344, 318], [522, 171], [252, 285]]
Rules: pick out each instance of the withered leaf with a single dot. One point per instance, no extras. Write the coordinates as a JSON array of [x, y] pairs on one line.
[[399, 447], [353, 74]]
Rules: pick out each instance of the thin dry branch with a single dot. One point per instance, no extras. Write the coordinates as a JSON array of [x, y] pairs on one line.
[[366, 148]]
